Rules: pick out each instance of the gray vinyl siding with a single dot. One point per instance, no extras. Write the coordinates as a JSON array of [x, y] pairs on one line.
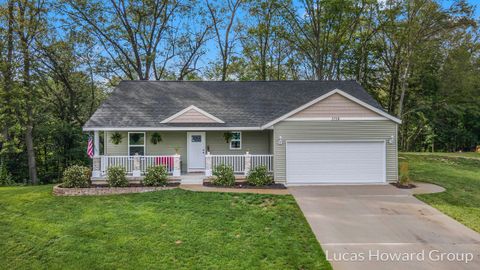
[[255, 142], [172, 142], [112, 149], [334, 130]]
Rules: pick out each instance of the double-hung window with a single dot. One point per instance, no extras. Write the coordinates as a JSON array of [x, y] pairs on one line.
[[236, 140], [136, 143]]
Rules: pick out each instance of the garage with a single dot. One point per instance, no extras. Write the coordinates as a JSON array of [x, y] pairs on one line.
[[335, 162]]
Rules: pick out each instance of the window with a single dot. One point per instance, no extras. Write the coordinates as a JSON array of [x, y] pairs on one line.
[[197, 138], [236, 141], [136, 143]]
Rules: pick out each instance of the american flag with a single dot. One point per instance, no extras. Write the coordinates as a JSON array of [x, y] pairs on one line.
[[90, 146]]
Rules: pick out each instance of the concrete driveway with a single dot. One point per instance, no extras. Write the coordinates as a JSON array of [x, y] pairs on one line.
[[382, 227]]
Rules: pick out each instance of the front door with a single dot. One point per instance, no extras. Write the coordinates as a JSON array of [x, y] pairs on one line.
[[196, 151]]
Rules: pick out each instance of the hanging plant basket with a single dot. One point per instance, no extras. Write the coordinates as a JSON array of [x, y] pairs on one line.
[[156, 138], [116, 138], [227, 136]]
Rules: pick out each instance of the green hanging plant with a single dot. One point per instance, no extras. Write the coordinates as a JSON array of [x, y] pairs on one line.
[[227, 136], [156, 138], [116, 138]]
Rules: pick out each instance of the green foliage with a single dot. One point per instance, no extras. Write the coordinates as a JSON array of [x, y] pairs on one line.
[[223, 175], [227, 136], [116, 177], [404, 179], [116, 137], [259, 176], [156, 138], [76, 177], [6, 178], [156, 176]]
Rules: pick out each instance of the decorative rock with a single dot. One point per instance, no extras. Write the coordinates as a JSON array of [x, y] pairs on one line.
[[59, 191]]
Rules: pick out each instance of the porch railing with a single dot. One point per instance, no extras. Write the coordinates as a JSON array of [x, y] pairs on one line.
[[144, 162], [237, 162], [240, 163], [263, 160]]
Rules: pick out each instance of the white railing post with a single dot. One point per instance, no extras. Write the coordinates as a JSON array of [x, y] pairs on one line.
[[176, 165], [96, 166], [208, 164], [248, 163], [136, 172]]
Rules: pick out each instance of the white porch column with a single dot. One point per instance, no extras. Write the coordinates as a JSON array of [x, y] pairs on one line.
[[136, 166], [176, 165], [96, 143], [96, 171], [208, 164], [248, 163]]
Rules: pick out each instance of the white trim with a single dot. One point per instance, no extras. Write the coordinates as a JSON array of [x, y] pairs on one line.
[[336, 91], [169, 128], [204, 141], [336, 119], [144, 142], [192, 107], [327, 141], [230, 142]]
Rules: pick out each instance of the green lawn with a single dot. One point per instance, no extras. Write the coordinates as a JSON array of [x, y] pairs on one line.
[[173, 229], [461, 178]]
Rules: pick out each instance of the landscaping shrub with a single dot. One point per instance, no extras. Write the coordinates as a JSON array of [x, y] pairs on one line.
[[404, 174], [156, 176], [223, 175], [116, 177], [6, 178], [76, 177], [259, 176]]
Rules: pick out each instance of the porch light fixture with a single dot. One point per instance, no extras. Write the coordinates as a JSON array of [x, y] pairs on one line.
[[280, 140], [390, 140]]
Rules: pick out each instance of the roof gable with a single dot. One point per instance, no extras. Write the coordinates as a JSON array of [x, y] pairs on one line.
[[336, 91], [192, 114], [335, 105]]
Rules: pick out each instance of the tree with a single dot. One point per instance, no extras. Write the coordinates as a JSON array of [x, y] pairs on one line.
[[223, 19], [322, 32]]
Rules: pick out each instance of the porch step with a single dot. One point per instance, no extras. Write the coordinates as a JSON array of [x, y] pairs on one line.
[[192, 178]]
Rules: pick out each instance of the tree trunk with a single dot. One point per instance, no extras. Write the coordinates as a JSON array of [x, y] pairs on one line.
[[404, 89], [32, 164], [8, 75], [29, 96]]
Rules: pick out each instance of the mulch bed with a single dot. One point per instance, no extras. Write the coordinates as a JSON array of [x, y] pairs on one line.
[[409, 186], [244, 185]]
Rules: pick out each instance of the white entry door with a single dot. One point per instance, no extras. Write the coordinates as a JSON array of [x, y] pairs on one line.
[[336, 162], [196, 151]]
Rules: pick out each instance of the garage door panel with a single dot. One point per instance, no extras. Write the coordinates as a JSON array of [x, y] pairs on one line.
[[335, 162]]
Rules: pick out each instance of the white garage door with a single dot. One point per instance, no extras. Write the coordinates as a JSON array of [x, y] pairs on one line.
[[335, 162]]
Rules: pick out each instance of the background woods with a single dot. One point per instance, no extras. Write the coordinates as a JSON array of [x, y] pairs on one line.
[[60, 59]]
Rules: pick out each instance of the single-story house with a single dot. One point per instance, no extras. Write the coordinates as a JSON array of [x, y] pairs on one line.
[[304, 132]]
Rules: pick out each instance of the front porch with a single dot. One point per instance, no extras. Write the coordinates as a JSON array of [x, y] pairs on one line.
[[137, 166], [181, 152]]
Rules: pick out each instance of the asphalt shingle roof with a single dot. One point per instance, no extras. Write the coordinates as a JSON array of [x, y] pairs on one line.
[[239, 104]]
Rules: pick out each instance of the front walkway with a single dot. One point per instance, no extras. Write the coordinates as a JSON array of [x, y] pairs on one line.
[[359, 227], [234, 190]]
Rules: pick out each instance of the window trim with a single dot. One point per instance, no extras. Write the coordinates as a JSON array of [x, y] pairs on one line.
[[137, 145], [239, 140]]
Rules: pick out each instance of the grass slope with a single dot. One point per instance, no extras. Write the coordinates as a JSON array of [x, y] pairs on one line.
[[459, 175], [172, 229]]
